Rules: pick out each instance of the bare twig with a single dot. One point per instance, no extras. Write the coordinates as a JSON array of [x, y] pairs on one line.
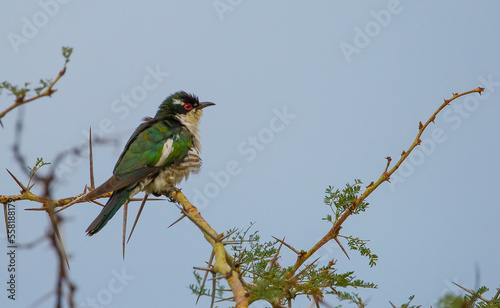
[[288, 245], [21, 100], [54, 220], [227, 235], [214, 286], [472, 293], [46, 183], [209, 269], [275, 258], [497, 294], [306, 268]]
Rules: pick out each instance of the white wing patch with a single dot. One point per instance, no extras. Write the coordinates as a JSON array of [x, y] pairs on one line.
[[165, 152]]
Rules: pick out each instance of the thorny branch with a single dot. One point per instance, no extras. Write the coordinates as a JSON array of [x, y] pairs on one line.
[[224, 264], [334, 231], [54, 235], [48, 88]]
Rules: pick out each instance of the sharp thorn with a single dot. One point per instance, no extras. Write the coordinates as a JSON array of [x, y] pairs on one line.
[[275, 258], [307, 267], [210, 260], [125, 209], [227, 235], [36, 209], [183, 215], [138, 215], [206, 269], [342, 247], [91, 159], [17, 181], [53, 216], [472, 292], [98, 203], [287, 245]]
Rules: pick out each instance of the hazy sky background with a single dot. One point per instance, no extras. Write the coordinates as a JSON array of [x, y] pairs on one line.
[[354, 77]]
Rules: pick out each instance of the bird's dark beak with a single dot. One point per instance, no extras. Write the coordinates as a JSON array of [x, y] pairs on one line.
[[205, 104]]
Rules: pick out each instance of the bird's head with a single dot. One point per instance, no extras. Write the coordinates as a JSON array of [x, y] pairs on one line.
[[182, 106]]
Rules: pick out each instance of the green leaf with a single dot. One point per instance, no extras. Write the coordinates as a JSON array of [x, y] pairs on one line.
[[339, 201], [66, 52]]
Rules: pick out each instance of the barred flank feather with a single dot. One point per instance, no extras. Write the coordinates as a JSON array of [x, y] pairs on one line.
[[161, 153]]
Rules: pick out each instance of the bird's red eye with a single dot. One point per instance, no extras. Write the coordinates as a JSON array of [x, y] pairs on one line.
[[188, 106]]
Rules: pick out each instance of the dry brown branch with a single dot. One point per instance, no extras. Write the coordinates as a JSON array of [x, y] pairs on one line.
[[224, 263], [287, 245], [472, 293], [26, 193], [334, 231], [49, 89]]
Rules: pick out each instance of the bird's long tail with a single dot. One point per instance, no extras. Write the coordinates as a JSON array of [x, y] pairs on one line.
[[117, 199]]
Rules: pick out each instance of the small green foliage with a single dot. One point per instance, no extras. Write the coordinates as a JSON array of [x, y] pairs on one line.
[[254, 258], [21, 91], [265, 279], [339, 201], [198, 288], [38, 164], [254, 254], [17, 91], [44, 84], [66, 52], [352, 298], [470, 300], [355, 243], [317, 278], [407, 304]]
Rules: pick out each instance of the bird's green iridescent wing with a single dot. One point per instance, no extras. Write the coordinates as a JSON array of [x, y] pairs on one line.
[[153, 144]]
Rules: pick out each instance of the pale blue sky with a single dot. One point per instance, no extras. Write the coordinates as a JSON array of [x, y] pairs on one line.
[[354, 77]]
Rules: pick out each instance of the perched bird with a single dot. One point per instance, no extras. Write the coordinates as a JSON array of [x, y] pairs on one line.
[[161, 152]]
